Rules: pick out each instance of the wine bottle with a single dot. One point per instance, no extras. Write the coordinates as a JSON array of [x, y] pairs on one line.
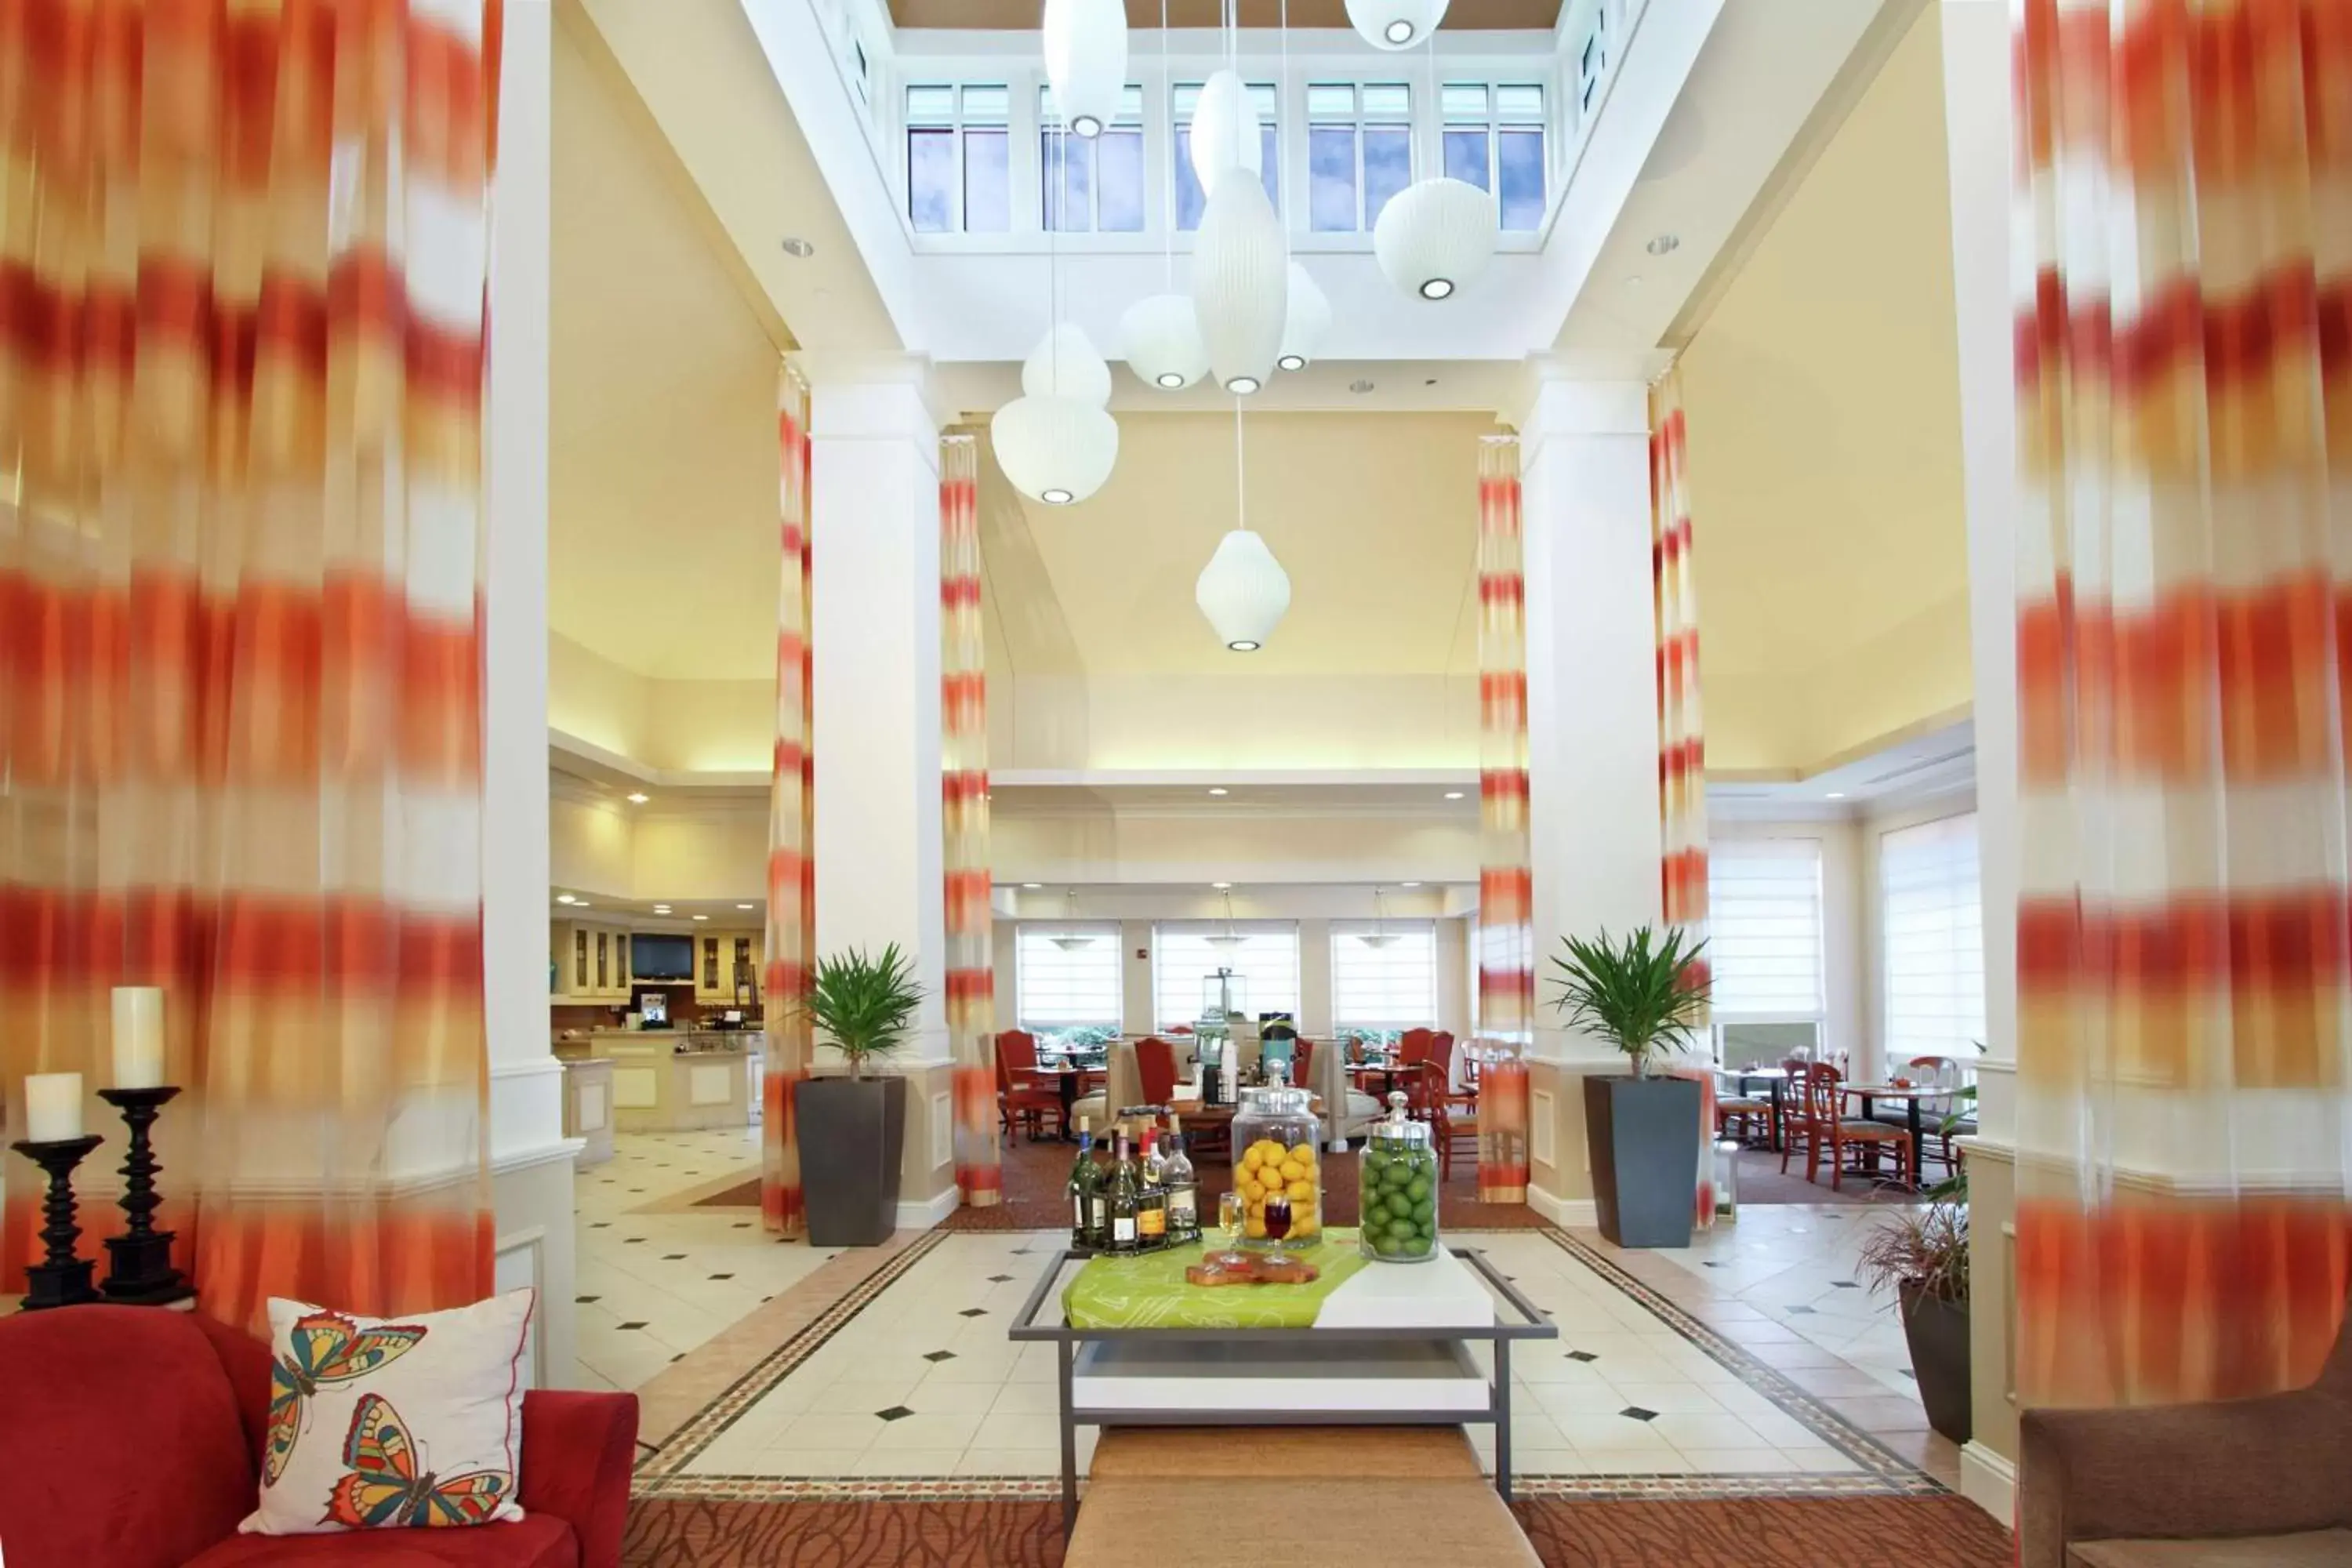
[[1151, 1202], [1083, 1179], [1125, 1199], [1183, 1190]]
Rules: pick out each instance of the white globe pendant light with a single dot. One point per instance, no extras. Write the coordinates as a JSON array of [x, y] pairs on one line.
[[1065, 364], [1243, 591], [1240, 282], [1161, 338], [1303, 326], [1392, 24], [1085, 61], [1058, 450], [1434, 236], [1225, 130]]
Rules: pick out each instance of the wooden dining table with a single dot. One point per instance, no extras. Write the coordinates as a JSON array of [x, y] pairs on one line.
[[1911, 1095], [1776, 1083], [1070, 1081]]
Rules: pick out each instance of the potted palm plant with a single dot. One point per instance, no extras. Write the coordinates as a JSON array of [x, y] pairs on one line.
[[853, 1131], [1643, 995], [1921, 1253]]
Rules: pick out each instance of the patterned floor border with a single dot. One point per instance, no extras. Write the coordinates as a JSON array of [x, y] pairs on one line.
[[1884, 1473], [1887, 1470]]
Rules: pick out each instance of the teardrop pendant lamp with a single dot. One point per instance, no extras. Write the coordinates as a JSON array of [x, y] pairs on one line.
[[1243, 591], [1086, 61], [1240, 282], [1159, 334]]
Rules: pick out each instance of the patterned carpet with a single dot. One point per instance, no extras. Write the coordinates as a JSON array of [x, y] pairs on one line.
[[1747, 1532]]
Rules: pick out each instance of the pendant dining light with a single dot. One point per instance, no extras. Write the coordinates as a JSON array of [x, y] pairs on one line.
[[1243, 591], [1159, 334], [1228, 938], [1436, 234], [1380, 935], [1086, 61], [1241, 265], [1065, 364], [1071, 941], [1308, 317], [1056, 443], [1394, 24]]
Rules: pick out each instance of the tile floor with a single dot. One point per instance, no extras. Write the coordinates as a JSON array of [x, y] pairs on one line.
[[652, 1287]]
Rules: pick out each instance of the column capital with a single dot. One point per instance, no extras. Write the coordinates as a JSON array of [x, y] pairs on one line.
[[858, 395], [1552, 402]]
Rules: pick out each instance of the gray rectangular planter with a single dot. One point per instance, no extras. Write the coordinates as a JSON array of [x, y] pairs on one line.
[[1643, 1134], [853, 1132]]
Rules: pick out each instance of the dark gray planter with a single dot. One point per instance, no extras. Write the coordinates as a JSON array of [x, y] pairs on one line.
[[852, 1134], [1643, 1134], [1939, 1335]]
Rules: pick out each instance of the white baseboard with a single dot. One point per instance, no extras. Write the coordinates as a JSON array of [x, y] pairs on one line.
[[1990, 1481], [1565, 1213], [924, 1212]]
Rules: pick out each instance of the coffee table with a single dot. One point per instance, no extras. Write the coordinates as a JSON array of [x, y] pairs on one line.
[[1387, 1345]]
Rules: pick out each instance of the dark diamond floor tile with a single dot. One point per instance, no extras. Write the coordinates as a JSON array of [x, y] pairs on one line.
[[1582, 1355], [1635, 1413], [635, 1325], [1845, 1284], [896, 1412], [939, 1355], [673, 1258], [631, 1240], [1800, 1311], [722, 1276], [743, 1225], [583, 1301], [999, 1278], [972, 1312]]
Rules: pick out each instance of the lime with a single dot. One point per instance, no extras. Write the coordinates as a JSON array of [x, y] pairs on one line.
[[1418, 1189], [1387, 1245], [1428, 1228], [1397, 1175], [1403, 1229], [1400, 1206], [1417, 1247], [1425, 1211]]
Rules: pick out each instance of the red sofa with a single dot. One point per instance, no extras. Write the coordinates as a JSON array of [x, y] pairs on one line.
[[129, 1438]]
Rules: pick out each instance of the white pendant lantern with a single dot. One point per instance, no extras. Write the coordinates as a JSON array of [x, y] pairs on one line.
[[1243, 591], [1225, 131], [1161, 338], [1389, 24], [1058, 450], [1240, 282], [1085, 61], [1065, 364], [1304, 324], [1434, 236]]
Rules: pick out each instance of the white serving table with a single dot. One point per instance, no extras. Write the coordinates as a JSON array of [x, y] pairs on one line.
[[1391, 1346]]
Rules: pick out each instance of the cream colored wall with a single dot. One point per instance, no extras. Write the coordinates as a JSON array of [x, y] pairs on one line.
[[1106, 846], [1821, 391], [591, 847], [673, 726], [1273, 721], [714, 853]]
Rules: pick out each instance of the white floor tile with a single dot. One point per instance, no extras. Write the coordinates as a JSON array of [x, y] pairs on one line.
[[880, 1461]]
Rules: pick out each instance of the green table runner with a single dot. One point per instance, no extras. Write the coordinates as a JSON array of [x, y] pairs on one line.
[[1150, 1291]]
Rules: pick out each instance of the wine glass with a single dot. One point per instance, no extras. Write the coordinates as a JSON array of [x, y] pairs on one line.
[[1277, 1217], [1233, 1217]]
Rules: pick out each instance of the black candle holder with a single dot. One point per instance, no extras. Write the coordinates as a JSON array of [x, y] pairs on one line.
[[140, 1273], [63, 1279]]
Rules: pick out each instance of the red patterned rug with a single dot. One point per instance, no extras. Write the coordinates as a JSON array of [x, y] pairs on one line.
[[1742, 1532]]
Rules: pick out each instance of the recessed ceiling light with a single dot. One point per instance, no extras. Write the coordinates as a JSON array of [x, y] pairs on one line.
[[702, 917], [1453, 794], [1032, 886], [1437, 289], [1408, 884], [1359, 387], [661, 909], [1244, 646], [747, 906], [639, 797], [1836, 795], [565, 898], [579, 904], [1664, 245], [1241, 385], [1056, 497], [797, 246], [1634, 281], [1291, 361], [1220, 887], [1217, 789]]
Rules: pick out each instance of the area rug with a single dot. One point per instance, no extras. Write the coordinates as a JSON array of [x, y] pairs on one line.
[[1745, 1533]]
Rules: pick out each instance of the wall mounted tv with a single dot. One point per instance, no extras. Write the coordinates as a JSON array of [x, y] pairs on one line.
[[656, 957]]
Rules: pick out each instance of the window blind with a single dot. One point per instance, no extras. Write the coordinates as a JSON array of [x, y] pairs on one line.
[[1184, 954], [1066, 987], [1392, 987], [1933, 946], [1764, 928]]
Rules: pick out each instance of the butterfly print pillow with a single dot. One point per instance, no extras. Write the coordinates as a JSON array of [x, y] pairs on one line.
[[412, 1422]]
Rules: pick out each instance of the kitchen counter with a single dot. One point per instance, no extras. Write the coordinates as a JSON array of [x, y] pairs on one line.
[[675, 1080]]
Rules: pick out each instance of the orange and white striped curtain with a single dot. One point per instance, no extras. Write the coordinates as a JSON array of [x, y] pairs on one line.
[[1507, 983], [242, 357], [791, 947], [2184, 1042], [963, 792]]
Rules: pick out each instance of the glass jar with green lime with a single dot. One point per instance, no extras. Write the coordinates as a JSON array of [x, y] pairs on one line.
[[1398, 1189]]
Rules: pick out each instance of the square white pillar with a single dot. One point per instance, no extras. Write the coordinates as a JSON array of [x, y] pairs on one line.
[[874, 536], [1592, 695]]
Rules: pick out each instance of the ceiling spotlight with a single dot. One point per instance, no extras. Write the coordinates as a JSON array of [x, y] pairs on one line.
[[1291, 361], [565, 898], [661, 909], [747, 906], [579, 904], [1032, 886], [1408, 884], [796, 247], [1241, 385], [639, 797], [702, 917], [1359, 387], [1836, 795], [1453, 794], [1057, 497], [1220, 887], [1217, 789], [1664, 245]]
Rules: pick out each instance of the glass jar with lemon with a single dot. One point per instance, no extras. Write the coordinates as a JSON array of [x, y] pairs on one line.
[[1398, 1183], [1277, 1168]]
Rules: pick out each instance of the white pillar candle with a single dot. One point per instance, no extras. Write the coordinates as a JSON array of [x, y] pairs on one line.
[[53, 1107], [137, 1037]]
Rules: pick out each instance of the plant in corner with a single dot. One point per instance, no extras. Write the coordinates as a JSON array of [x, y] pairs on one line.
[[1921, 1253], [1643, 995], [853, 1131]]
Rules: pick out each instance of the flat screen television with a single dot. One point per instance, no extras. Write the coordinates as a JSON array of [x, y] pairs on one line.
[[653, 956]]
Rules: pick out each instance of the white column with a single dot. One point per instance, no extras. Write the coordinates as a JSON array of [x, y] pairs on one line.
[[530, 1158], [1593, 708], [874, 536]]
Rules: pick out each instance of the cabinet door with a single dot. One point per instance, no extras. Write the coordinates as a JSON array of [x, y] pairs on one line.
[[742, 973], [621, 964], [604, 969], [710, 965], [579, 959]]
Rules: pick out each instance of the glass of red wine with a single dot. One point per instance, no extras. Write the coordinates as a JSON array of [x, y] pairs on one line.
[[1278, 1216]]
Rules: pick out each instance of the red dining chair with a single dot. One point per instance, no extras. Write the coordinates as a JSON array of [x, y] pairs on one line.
[[1018, 1092], [1828, 1123], [1155, 1064], [1416, 1045], [1302, 1063], [1425, 1097]]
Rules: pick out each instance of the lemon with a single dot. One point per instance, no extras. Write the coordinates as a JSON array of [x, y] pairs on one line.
[[1249, 1158], [1255, 1228], [1300, 1192], [1253, 1191], [1303, 1152], [1292, 1170]]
